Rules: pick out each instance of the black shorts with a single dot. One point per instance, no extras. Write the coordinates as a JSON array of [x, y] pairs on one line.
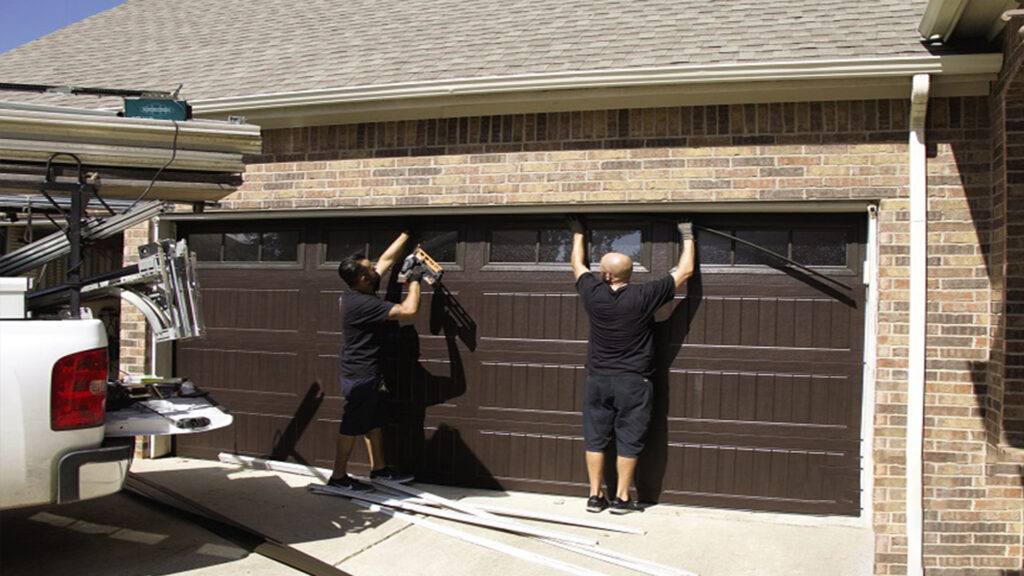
[[364, 405], [619, 404]]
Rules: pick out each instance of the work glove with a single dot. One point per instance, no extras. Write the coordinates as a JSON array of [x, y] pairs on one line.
[[415, 274], [575, 224], [685, 229]]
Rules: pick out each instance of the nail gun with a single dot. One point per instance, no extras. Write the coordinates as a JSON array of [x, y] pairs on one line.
[[432, 271]]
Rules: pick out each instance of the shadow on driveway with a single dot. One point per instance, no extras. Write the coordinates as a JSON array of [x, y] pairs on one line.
[[122, 534]]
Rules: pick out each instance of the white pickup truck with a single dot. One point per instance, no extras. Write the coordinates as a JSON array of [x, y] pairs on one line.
[[66, 427], [53, 387]]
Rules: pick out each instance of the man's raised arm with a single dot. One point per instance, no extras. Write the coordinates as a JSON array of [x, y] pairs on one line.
[[579, 254], [387, 259], [684, 269]]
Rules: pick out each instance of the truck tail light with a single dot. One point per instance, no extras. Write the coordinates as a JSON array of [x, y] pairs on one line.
[[78, 390]]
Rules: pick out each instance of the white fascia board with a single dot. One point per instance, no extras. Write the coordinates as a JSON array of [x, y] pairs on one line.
[[531, 85], [560, 209]]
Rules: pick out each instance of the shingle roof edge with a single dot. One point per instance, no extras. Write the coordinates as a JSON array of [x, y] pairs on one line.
[[958, 64]]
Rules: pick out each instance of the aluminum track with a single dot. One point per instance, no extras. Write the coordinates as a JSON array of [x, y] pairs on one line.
[[57, 244]]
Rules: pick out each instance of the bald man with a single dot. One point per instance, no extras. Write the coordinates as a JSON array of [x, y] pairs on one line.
[[620, 361]]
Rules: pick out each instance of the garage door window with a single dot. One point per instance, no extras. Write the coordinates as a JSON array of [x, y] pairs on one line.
[[531, 246], [628, 241], [825, 247], [774, 240], [230, 247], [442, 245], [807, 246]]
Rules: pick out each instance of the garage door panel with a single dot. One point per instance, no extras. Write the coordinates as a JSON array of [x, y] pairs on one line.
[[757, 359], [728, 398], [555, 388], [742, 476], [259, 433], [424, 382], [757, 383], [285, 341], [447, 458], [252, 309], [242, 370], [768, 322], [534, 457], [524, 315], [276, 404], [327, 321]]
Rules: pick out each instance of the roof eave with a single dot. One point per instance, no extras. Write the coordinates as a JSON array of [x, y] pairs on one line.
[[598, 89]]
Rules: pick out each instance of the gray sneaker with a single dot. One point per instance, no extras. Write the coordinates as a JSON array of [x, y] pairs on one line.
[[620, 506], [391, 474], [596, 503]]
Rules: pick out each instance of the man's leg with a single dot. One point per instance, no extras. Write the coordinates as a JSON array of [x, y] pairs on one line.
[[631, 423], [374, 442], [595, 469], [598, 418], [625, 467], [341, 454]]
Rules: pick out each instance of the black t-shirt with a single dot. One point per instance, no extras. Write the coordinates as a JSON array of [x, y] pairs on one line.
[[362, 321], [622, 323]]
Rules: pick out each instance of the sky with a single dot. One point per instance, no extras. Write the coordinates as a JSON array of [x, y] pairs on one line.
[[22, 21]]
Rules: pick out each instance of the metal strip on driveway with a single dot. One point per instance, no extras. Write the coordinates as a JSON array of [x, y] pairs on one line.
[[244, 536]]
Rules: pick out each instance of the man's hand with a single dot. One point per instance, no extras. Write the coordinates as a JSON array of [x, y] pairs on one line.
[[411, 229], [415, 274], [682, 272], [685, 229], [575, 224]]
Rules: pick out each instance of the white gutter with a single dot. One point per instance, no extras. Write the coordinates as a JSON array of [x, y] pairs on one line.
[[971, 64], [918, 323]]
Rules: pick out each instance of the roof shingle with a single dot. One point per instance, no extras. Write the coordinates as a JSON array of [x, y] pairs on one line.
[[246, 47]]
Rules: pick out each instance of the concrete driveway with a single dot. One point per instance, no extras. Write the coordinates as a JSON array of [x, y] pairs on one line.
[[124, 535]]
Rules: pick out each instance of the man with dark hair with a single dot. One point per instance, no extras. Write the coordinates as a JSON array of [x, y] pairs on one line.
[[617, 391], [363, 317]]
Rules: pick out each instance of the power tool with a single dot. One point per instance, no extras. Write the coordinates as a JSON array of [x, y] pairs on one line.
[[420, 260]]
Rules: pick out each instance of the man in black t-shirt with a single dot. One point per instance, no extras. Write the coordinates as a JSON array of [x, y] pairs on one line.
[[363, 318], [620, 355]]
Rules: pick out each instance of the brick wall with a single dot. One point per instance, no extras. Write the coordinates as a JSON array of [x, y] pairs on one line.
[[807, 151], [771, 152], [134, 330], [1009, 171]]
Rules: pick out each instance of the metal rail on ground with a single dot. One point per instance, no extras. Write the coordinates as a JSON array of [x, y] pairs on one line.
[[225, 527], [592, 551], [637, 564], [323, 474]]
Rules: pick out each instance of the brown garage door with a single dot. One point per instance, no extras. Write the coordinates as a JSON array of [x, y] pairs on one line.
[[758, 387]]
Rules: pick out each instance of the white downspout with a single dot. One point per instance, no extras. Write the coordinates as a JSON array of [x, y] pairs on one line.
[[918, 321]]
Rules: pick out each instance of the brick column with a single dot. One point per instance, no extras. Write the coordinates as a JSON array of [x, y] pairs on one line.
[[134, 330]]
